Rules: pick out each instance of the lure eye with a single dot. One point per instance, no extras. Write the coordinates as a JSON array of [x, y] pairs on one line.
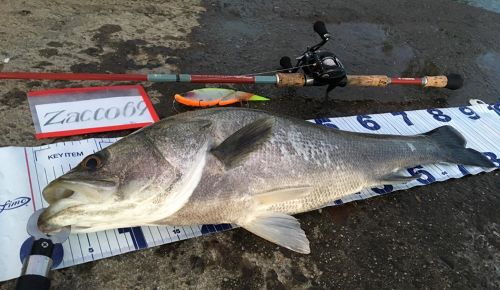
[[92, 162]]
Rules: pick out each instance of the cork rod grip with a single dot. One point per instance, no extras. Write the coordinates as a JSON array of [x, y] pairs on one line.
[[291, 80], [368, 81], [436, 82]]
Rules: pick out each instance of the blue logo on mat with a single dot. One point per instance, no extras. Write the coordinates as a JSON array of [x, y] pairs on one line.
[[15, 203]]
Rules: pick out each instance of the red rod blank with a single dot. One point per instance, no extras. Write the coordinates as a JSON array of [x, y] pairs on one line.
[[406, 81], [72, 76]]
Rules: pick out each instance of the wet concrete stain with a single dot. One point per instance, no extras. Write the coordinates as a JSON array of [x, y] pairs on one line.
[[93, 51], [25, 12], [272, 281], [43, 64], [103, 34], [124, 53], [340, 214], [54, 44], [13, 98], [491, 5], [489, 64], [48, 52]]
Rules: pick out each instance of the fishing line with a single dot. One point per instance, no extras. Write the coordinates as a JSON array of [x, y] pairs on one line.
[[173, 106], [279, 70]]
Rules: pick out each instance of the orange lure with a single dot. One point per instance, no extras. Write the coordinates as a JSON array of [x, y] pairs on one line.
[[211, 97]]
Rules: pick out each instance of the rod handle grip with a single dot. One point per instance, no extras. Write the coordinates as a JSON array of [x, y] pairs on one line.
[[36, 266], [291, 79], [33, 282], [368, 81]]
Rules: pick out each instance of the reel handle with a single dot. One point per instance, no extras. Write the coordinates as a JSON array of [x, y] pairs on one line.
[[320, 29], [286, 63]]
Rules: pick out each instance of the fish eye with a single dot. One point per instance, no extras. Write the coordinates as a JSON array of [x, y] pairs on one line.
[[92, 162]]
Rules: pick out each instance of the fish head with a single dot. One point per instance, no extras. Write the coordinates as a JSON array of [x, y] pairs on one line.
[[112, 188]]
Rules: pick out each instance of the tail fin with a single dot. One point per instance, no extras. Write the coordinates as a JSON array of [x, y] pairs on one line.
[[452, 145]]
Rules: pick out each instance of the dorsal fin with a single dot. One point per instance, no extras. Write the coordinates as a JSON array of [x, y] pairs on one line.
[[241, 143]]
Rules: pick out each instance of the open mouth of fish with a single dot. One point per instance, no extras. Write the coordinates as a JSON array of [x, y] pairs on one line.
[[67, 198]]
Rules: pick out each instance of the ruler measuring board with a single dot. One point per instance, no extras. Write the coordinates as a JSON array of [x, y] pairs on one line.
[[25, 171]]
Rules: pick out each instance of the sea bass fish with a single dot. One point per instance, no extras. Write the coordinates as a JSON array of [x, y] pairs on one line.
[[241, 166]]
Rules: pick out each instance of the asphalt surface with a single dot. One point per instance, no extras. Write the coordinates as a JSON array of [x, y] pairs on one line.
[[444, 235]]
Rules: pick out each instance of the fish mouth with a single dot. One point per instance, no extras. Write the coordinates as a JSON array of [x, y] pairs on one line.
[[90, 190], [67, 198]]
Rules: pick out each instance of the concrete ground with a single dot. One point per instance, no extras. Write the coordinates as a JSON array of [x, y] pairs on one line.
[[444, 235]]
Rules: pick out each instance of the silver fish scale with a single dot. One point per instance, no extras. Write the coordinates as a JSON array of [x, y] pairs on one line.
[[334, 163]]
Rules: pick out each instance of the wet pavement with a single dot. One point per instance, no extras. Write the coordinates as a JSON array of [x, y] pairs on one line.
[[443, 235]]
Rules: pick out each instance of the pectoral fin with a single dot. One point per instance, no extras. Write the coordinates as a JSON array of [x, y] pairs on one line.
[[281, 229], [237, 146]]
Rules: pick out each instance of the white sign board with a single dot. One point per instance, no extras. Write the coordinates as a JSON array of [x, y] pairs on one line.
[[76, 111]]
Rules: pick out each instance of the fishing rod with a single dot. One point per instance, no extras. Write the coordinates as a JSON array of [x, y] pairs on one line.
[[319, 68]]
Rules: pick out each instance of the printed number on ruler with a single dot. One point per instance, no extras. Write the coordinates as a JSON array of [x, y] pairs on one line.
[[426, 177], [463, 169], [469, 113], [490, 155], [495, 108], [439, 115], [405, 117], [493, 158], [365, 121], [325, 122]]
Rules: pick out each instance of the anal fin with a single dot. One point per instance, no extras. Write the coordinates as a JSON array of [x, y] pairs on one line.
[[283, 194], [397, 177], [279, 228]]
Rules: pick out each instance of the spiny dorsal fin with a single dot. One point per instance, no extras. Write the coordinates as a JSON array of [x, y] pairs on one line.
[[281, 229], [237, 146], [283, 194]]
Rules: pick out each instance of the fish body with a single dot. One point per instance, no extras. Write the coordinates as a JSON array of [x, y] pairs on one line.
[[241, 166]]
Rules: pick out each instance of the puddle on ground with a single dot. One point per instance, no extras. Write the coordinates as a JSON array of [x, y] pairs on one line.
[[489, 63], [490, 5], [243, 30], [361, 43]]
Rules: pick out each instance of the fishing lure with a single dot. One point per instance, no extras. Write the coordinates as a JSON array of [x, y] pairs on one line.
[[210, 97]]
